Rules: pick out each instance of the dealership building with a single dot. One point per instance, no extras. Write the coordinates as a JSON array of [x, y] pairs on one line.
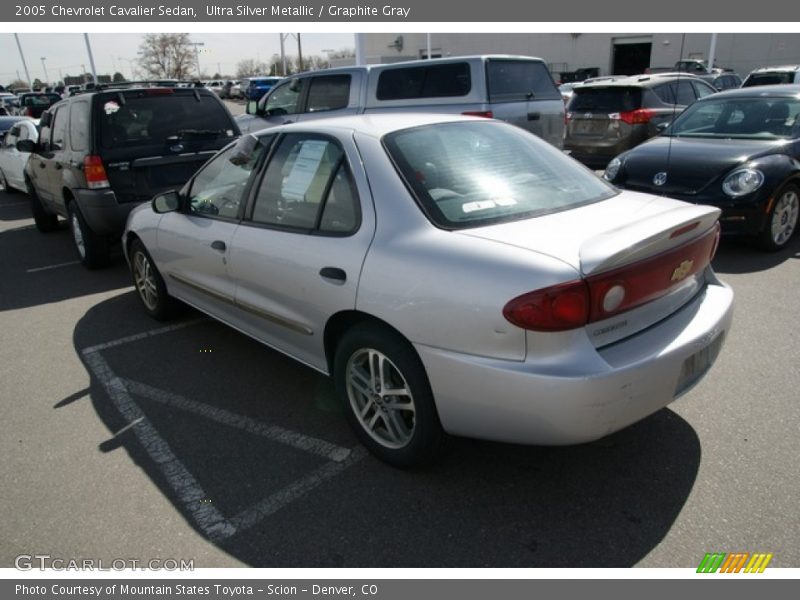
[[611, 53]]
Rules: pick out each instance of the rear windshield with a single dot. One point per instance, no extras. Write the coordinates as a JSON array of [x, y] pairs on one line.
[[516, 80], [468, 174], [605, 100], [768, 79], [435, 81], [154, 117]]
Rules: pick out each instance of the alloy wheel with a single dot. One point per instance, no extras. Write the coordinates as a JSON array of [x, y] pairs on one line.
[[784, 217], [144, 279]]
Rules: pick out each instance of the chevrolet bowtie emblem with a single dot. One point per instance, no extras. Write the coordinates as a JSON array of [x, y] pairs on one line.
[[682, 270]]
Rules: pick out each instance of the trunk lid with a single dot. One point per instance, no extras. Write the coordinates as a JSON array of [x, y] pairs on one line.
[[656, 248]]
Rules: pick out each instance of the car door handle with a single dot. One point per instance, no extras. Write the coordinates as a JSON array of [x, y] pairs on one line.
[[218, 245], [59, 166], [41, 165], [287, 122], [334, 274], [534, 116]]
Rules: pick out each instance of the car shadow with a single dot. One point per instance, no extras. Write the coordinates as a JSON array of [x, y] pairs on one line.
[[741, 256], [43, 268], [226, 429], [14, 207]]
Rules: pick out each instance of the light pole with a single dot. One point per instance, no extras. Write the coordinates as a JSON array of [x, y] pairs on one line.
[[197, 54], [24, 64], [44, 68]]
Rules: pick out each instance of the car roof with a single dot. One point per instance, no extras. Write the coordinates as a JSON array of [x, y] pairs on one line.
[[375, 125], [645, 80], [13, 119], [775, 91], [779, 69]]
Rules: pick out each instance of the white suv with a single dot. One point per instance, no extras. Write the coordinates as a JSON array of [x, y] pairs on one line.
[[773, 76]]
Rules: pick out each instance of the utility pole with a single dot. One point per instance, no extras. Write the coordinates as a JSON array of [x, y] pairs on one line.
[[24, 64], [44, 68], [299, 54], [91, 58], [712, 52]]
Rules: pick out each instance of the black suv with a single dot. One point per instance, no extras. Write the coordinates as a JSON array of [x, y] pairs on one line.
[[609, 117], [100, 154]]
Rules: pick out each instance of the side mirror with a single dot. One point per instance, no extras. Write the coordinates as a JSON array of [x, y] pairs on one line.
[[166, 202], [28, 146], [662, 126]]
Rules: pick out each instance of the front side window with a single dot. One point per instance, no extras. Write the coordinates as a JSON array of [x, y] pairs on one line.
[[469, 174], [285, 99], [218, 189], [703, 90], [307, 187], [765, 118]]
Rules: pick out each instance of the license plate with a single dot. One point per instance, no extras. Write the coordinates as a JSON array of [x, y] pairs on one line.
[[697, 364]]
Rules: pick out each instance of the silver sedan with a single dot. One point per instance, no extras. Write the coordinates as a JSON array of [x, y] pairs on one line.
[[455, 276]]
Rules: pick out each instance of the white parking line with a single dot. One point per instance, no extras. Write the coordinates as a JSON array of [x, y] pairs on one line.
[[191, 495], [220, 415], [58, 266], [189, 491]]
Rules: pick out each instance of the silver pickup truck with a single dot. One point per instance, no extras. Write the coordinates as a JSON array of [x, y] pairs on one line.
[[515, 89]]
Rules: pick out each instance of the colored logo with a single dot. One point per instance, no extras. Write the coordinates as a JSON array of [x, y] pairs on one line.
[[735, 562]]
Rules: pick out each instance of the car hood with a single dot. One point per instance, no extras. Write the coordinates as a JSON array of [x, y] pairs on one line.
[[250, 123], [690, 164], [604, 235]]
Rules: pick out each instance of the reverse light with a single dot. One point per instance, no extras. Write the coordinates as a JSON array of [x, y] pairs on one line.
[[742, 182], [95, 172]]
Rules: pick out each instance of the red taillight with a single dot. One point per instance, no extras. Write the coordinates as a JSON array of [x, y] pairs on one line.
[[640, 116], [95, 172], [598, 297], [556, 308], [486, 114]]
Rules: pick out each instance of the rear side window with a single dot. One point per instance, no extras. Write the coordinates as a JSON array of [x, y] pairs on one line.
[[435, 81], [605, 100], [515, 80], [768, 79], [157, 117], [331, 92], [79, 126]]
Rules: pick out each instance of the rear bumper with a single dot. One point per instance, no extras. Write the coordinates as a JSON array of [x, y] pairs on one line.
[[587, 393], [103, 214]]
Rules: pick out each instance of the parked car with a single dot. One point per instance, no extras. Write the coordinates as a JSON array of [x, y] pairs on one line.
[[101, 153], [34, 104], [216, 86], [726, 80], [773, 76], [12, 161], [515, 89], [236, 92], [738, 150], [258, 86], [609, 117], [455, 275], [8, 121]]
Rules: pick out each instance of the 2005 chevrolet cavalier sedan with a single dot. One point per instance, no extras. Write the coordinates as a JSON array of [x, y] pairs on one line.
[[455, 275]]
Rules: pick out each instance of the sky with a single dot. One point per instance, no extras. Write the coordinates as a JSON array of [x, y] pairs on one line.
[[65, 53]]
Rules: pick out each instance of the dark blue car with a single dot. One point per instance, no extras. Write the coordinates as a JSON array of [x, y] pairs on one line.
[[259, 86]]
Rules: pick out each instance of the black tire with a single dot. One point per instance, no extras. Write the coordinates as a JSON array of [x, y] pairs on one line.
[[4, 182], [400, 437], [154, 297], [45, 221], [782, 221], [93, 250]]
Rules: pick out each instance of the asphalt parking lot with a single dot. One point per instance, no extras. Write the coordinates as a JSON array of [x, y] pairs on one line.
[[126, 438]]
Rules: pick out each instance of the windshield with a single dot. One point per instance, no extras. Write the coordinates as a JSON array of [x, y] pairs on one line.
[[747, 118], [467, 174]]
